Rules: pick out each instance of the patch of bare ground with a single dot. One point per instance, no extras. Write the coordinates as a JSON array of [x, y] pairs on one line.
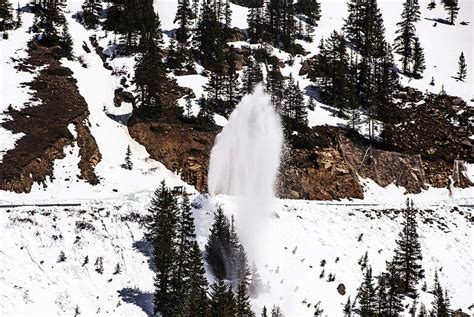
[[45, 126]]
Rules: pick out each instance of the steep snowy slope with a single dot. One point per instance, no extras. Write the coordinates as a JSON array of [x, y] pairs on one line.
[[299, 236]]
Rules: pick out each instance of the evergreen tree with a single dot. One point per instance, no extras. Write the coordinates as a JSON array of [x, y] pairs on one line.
[[128, 160], [252, 75], [439, 302], [452, 7], [367, 295], [394, 289], [256, 26], [311, 9], [408, 253], [227, 14], [231, 82], [66, 41], [215, 89], [217, 247], [18, 16], [183, 16], [418, 59], [293, 105], [462, 73], [432, 5], [276, 311], [274, 85], [99, 265], [184, 265], [91, 13], [256, 283], [404, 42], [222, 300], [62, 257], [243, 301], [347, 308], [162, 225], [210, 36], [196, 303], [264, 312], [332, 71], [149, 78], [6, 16], [382, 305], [423, 312]]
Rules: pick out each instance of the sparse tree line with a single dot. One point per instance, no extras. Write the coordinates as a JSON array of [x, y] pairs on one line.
[[383, 295]]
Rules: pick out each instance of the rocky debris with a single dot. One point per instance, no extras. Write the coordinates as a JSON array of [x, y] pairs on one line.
[[341, 289], [236, 35], [384, 167], [178, 146], [434, 126], [45, 126], [121, 95]]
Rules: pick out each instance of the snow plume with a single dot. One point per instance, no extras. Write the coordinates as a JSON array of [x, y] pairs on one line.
[[244, 163]]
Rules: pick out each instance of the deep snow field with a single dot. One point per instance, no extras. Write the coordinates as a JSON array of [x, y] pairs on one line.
[[31, 238]]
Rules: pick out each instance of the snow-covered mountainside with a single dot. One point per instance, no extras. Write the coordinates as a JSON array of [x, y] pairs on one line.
[[68, 214]]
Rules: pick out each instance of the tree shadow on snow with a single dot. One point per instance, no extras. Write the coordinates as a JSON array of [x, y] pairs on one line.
[[439, 20], [138, 298], [145, 248]]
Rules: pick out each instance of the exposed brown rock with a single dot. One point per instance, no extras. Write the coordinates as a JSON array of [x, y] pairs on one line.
[[46, 125]]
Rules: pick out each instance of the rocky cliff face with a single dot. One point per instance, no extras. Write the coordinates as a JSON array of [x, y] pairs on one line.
[[328, 169]]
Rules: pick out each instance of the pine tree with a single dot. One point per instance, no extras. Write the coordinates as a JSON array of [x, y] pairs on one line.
[[311, 9], [256, 25], [332, 71], [227, 14], [243, 307], [185, 240], [189, 106], [161, 224], [99, 265], [118, 269], [347, 308], [18, 16], [418, 59], [196, 303], [91, 13], [184, 18], [293, 105], [408, 253], [276, 311], [452, 7], [423, 312], [404, 42], [252, 75], [256, 284], [128, 160], [462, 73], [66, 41], [217, 247], [62, 257], [394, 289], [232, 83], [382, 305], [432, 5], [210, 36], [215, 89], [264, 312], [222, 299], [366, 295], [274, 85], [439, 303], [6, 16], [149, 78]]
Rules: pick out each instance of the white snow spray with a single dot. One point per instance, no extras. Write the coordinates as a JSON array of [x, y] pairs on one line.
[[245, 160]]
